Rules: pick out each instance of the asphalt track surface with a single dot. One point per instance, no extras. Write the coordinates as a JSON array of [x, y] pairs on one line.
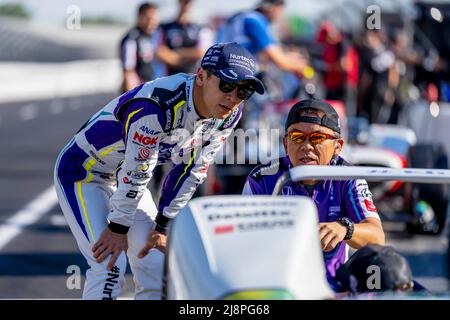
[[36, 246]]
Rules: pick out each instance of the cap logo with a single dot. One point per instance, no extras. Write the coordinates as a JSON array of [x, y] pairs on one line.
[[233, 75], [241, 58]]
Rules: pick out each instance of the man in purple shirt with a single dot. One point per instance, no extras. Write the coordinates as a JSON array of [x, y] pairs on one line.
[[347, 214]]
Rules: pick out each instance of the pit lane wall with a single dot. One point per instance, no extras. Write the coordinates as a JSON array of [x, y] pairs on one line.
[[47, 61], [25, 81]]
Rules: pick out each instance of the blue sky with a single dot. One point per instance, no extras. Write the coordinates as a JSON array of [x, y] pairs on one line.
[[55, 11]]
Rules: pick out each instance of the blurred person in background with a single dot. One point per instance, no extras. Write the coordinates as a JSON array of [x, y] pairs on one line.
[[378, 77], [340, 59], [101, 176], [185, 42], [141, 53], [347, 214], [252, 30], [331, 40], [402, 74], [138, 48], [185, 38]]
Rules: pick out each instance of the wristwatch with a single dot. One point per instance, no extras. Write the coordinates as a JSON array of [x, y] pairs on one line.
[[347, 223]]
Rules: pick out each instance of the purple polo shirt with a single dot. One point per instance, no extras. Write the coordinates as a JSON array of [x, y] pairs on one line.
[[334, 199]]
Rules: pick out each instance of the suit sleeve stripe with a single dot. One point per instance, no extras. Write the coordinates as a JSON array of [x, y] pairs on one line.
[[175, 109], [352, 199], [186, 168], [83, 205], [129, 118]]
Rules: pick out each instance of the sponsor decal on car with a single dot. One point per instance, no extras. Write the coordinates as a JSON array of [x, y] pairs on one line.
[[224, 229], [258, 225], [254, 226], [251, 214]]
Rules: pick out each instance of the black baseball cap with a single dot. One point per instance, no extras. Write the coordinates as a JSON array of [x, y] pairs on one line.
[[271, 2], [231, 62], [395, 272], [329, 120]]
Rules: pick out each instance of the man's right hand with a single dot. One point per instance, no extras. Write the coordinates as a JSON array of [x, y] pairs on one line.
[[110, 243]]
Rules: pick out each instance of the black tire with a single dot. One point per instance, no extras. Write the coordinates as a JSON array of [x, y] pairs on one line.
[[428, 202]]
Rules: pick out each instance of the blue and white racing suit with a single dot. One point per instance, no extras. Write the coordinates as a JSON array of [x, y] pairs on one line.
[[102, 175]]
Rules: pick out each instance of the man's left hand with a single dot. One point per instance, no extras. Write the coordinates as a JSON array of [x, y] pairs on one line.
[[330, 234], [154, 240]]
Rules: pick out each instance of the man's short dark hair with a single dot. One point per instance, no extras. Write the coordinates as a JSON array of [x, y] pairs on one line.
[[146, 6], [269, 3]]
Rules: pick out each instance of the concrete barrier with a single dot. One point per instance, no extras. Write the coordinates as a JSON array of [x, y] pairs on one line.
[[35, 81]]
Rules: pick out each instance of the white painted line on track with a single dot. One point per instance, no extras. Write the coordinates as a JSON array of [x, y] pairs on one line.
[[56, 106], [58, 220], [29, 215], [28, 112]]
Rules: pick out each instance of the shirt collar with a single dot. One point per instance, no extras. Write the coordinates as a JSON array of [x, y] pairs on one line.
[[322, 183], [192, 113]]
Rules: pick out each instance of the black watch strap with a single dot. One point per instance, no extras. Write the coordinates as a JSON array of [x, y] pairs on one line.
[[349, 225], [161, 223], [118, 228]]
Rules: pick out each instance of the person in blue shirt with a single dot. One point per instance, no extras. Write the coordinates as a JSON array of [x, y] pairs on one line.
[[252, 30]]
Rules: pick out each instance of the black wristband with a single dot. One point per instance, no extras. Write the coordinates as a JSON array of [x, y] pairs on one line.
[[349, 225], [161, 229], [161, 223], [118, 228]]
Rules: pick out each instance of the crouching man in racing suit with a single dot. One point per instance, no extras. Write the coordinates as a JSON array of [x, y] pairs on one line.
[[347, 214], [101, 176]]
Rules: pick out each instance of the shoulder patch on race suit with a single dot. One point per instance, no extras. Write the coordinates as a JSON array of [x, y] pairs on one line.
[[169, 101], [363, 190], [169, 98], [266, 169], [231, 120], [121, 109]]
